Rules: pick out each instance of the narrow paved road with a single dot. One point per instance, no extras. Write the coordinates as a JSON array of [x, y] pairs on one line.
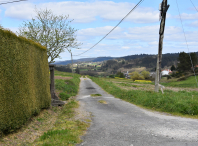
[[119, 123]]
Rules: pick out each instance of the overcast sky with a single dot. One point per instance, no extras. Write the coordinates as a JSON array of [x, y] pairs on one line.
[[138, 33]]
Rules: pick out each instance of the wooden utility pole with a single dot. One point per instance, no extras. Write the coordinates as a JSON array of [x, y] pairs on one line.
[[72, 65], [163, 9]]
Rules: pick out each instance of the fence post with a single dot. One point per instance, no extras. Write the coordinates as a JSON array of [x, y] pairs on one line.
[[54, 98], [52, 87]]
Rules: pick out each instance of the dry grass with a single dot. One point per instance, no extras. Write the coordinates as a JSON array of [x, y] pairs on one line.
[[63, 78], [149, 87], [33, 129], [140, 69]]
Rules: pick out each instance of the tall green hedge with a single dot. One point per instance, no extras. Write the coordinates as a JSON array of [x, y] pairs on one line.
[[24, 80]]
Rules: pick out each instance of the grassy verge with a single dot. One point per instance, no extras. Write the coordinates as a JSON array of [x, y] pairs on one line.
[[177, 103], [53, 126], [68, 87], [189, 82], [66, 130]]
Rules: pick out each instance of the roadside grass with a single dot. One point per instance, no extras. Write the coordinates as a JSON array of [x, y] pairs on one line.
[[102, 101], [68, 87], [66, 130], [189, 82], [177, 103]]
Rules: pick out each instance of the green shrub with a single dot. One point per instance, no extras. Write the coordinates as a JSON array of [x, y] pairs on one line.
[[168, 77], [111, 76], [145, 74], [136, 76], [120, 75]]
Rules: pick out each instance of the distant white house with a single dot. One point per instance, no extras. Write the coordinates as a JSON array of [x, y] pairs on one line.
[[126, 75], [166, 72]]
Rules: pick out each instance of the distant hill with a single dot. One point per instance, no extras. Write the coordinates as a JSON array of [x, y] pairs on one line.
[[98, 59], [146, 60]]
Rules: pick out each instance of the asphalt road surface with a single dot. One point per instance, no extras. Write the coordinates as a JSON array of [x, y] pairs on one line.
[[119, 123]]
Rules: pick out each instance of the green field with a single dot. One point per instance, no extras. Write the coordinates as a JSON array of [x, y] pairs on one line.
[[189, 82], [84, 69]]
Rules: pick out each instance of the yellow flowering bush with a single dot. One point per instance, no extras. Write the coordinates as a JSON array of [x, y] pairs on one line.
[[147, 81]]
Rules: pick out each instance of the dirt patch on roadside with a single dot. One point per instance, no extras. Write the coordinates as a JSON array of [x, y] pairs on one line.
[[81, 114], [32, 130]]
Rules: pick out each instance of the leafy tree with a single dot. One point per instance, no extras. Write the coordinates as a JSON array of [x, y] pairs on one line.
[[172, 68], [111, 76], [51, 31], [145, 74], [63, 68], [120, 74], [136, 76], [77, 70], [185, 61]]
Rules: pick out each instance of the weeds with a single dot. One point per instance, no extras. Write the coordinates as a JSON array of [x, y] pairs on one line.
[[96, 95], [66, 131], [68, 87], [102, 101]]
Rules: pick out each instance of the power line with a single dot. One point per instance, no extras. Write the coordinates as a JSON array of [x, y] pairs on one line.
[[113, 28], [194, 5], [12, 2], [187, 43]]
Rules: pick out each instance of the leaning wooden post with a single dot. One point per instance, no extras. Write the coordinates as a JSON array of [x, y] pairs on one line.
[[54, 98], [52, 87]]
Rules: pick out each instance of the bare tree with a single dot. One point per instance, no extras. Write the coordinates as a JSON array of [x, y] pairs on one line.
[[51, 31]]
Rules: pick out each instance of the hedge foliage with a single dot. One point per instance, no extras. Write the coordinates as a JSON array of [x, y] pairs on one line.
[[24, 80]]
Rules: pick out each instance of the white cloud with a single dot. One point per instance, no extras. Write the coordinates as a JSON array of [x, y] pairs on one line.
[[125, 47], [13, 29], [195, 24], [188, 16], [0, 13], [146, 34], [191, 43], [86, 11], [98, 31], [20, 11]]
